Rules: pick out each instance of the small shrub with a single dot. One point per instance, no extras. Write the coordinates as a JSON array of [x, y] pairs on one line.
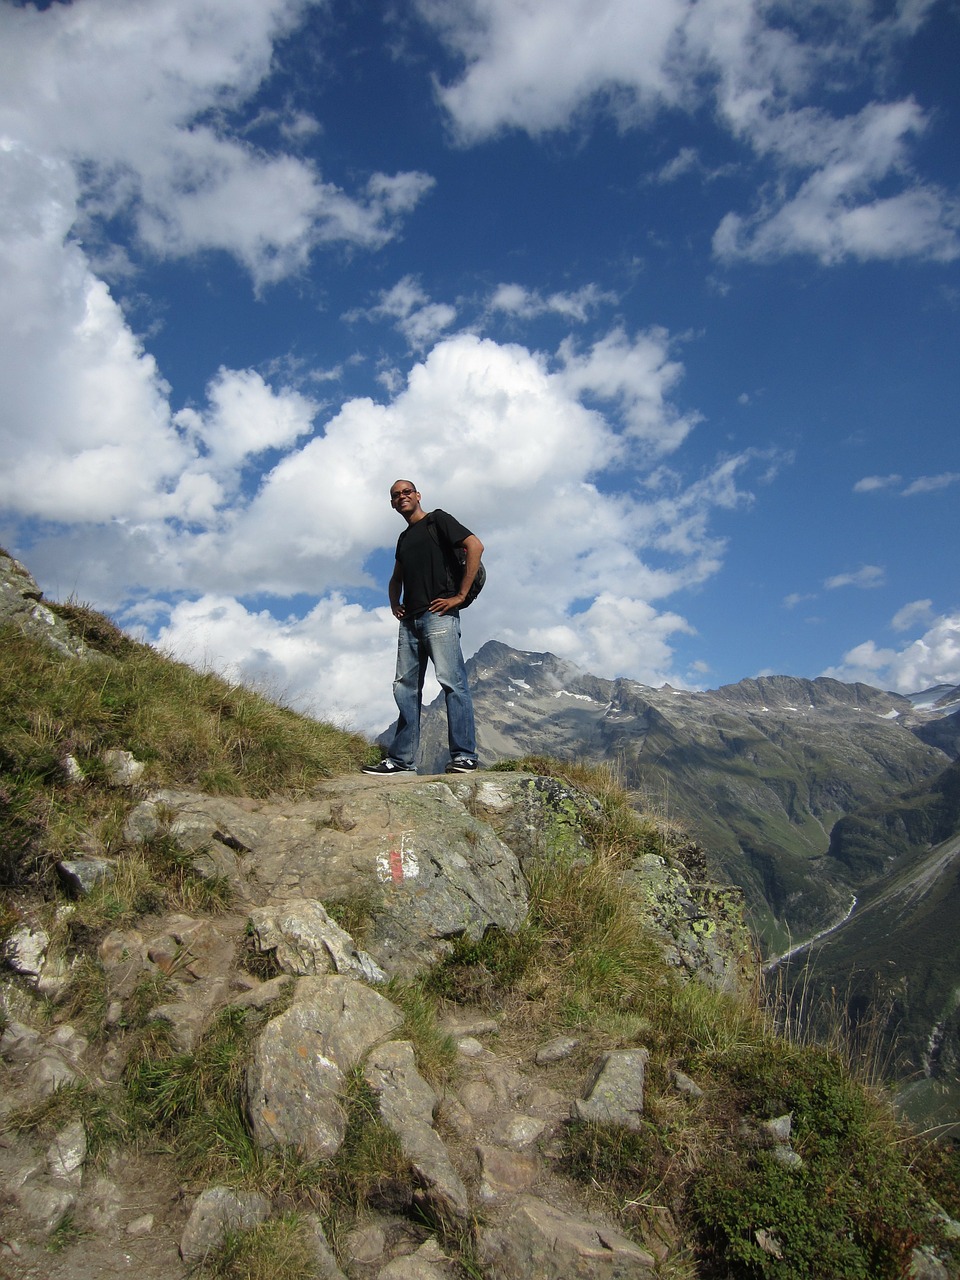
[[66, 1233], [186, 888], [22, 827], [848, 1212], [84, 1001], [95, 630], [195, 1100], [627, 1167]]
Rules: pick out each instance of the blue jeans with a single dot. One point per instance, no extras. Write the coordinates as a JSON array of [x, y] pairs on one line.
[[437, 637]]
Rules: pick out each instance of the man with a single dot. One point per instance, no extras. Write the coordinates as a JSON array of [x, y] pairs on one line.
[[428, 612]]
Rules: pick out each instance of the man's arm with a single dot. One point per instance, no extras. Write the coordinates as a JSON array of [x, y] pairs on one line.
[[394, 589], [474, 549]]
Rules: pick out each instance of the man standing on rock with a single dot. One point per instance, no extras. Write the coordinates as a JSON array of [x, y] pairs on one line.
[[429, 615]]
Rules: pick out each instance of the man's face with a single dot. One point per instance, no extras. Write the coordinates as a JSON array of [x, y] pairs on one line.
[[404, 497]]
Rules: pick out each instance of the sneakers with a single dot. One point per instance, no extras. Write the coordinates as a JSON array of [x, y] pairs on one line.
[[386, 768], [462, 766]]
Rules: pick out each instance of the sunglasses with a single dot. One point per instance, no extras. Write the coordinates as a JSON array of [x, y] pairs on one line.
[[401, 493]]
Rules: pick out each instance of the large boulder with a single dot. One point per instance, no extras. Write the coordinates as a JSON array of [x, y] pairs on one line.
[[295, 1081], [427, 870], [536, 1241]]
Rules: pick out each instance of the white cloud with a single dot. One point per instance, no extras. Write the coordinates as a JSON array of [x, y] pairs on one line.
[[636, 374], [244, 419], [85, 432], [911, 614], [116, 88], [542, 65], [419, 320], [688, 161], [866, 577], [495, 433], [335, 663], [527, 304], [612, 626], [532, 66], [932, 659], [931, 484], [833, 214], [99, 106], [922, 484], [685, 161], [872, 484], [797, 597]]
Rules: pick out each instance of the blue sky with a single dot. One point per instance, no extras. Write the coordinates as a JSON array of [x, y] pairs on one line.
[[660, 298]]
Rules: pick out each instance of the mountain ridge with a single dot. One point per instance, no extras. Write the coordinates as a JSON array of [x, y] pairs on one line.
[[809, 794], [760, 770]]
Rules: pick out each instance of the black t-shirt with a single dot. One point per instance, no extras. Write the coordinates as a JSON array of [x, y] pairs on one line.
[[425, 566]]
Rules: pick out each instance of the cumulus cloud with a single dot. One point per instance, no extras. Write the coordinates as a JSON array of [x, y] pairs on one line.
[[932, 659], [323, 664], [636, 374], [844, 186], [244, 418], [612, 625], [119, 88], [115, 110], [498, 434], [86, 430]]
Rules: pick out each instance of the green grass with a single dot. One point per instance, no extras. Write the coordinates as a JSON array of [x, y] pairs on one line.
[[435, 1051], [101, 1110], [279, 1249], [66, 1233], [189, 728], [369, 1169], [355, 912], [193, 1101], [851, 1211]]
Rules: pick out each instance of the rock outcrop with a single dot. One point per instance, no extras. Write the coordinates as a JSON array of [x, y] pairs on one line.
[[418, 864]]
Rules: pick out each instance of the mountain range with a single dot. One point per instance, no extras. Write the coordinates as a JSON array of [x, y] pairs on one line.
[[835, 807]]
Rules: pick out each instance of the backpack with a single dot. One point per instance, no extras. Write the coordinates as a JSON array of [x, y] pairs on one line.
[[456, 558]]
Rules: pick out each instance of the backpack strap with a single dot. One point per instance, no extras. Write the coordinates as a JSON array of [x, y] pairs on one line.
[[456, 558], [451, 560]]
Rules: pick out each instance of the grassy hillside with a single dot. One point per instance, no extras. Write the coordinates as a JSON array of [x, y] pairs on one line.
[[702, 1174], [188, 729]]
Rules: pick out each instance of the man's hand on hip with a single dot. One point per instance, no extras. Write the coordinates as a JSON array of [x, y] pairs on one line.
[[443, 604]]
